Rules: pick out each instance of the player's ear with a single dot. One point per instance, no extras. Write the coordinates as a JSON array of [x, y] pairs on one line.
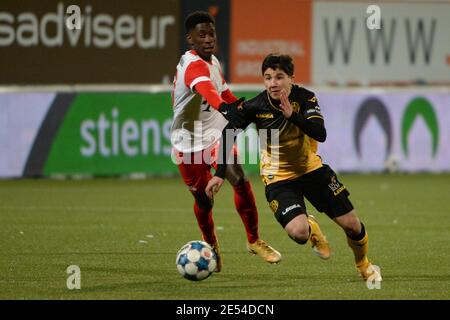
[[292, 78], [189, 39]]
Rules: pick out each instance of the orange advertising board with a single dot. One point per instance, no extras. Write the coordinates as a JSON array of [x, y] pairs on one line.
[[260, 27]]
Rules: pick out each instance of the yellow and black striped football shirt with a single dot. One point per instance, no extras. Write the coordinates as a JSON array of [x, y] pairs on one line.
[[286, 151]]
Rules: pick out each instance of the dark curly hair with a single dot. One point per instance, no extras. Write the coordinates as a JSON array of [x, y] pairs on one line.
[[279, 61], [197, 17]]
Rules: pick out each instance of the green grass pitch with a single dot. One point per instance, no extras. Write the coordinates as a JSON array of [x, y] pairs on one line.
[[124, 235]]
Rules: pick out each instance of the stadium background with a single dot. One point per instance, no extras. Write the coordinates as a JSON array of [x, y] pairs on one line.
[[96, 102]]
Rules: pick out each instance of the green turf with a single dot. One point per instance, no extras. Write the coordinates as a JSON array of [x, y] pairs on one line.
[[124, 236]]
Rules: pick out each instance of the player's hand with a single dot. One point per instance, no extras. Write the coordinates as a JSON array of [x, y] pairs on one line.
[[285, 105], [213, 187], [232, 113]]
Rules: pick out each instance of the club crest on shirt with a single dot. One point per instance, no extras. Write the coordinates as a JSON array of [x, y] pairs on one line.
[[295, 106], [274, 205]]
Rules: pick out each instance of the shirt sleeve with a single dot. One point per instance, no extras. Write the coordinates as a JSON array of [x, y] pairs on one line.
[[310, 119], [207, 90], [228, 96], [196, 72], [197, 77], [311, 108]]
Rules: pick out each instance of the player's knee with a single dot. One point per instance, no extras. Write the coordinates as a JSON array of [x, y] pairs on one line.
[[352, 227], [350, 223], [235, 175], [236, 179], [202, 199], [299, 232], [299, 238]]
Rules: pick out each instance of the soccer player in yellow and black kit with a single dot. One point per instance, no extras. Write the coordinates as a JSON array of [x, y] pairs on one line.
[[290, 167]]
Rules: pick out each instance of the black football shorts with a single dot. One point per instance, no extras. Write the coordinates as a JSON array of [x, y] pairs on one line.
[[322, 189]]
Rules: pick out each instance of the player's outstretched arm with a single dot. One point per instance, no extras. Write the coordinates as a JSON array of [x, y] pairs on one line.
[[230, 111], [227, 141]]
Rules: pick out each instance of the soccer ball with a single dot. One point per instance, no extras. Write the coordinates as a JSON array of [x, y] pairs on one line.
[[392, 164], [196, 260]]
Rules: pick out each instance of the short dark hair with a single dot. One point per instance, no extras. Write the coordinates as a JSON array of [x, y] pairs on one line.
[[197, 17], [278, 61]]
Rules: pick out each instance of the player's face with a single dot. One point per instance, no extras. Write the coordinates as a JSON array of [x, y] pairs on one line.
[[203, 39], [275, 81]]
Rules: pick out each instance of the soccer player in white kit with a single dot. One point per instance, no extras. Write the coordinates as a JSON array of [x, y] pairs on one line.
[[203, 105]]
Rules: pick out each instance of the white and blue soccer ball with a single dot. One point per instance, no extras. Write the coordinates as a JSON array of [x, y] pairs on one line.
[[392, 164], [196, 260]]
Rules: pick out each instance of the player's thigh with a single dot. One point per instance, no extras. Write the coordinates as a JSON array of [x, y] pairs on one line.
[[234, 173], [195, 175], [285, 202], [326, 193]]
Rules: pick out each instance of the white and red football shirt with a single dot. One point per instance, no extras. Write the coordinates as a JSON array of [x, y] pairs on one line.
[[196, 125]]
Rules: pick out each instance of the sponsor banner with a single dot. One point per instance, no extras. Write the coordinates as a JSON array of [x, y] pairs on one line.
[[220, 10], [386, 131], [410, 44], [132, 41], [21, 116], [45, 134], [260, 27], [125, 133], [114, 133], [122, 133]]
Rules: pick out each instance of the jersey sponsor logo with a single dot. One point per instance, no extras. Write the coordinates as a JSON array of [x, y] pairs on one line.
[[290, 208], [264, 115], [335, 186], [316, 110]]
